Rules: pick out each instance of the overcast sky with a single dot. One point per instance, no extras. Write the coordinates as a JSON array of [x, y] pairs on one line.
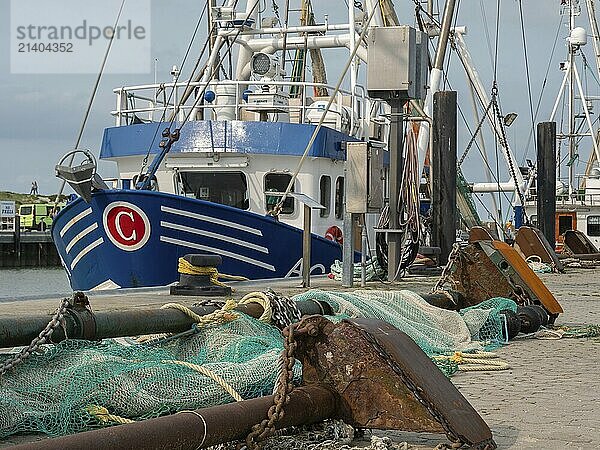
[[41, 114]]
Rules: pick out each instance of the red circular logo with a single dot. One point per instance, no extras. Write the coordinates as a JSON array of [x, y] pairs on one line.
[[126, 225]]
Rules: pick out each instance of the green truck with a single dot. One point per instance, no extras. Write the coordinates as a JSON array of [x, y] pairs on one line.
[[37, 216]]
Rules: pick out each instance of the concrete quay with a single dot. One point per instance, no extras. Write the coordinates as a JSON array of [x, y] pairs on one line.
[[547, 400]]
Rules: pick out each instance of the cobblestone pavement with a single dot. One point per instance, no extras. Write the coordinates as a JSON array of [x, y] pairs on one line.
[[548, 400]]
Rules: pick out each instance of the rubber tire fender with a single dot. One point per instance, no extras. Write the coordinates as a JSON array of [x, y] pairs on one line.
[[513, 323], [530, 319]]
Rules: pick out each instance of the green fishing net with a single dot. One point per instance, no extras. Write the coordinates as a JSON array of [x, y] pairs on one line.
[[52, 391], [437, 331]]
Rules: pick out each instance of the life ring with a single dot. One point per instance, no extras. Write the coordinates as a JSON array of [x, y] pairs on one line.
[[334, 233]]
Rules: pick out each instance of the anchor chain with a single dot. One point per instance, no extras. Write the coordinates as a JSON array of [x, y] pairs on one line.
[[504, 143], [38, 341], [285, 311], [446, 274], [267, 427], [521, 296]]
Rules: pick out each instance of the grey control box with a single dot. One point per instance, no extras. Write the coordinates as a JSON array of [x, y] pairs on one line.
[[364, 177], [397, 63]]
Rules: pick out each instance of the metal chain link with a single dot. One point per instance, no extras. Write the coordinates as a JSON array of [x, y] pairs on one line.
[[285, 310], [474, 136], [521, 296], [209, 302], [38, 341], [504, 143], [260, 432], [446, 274], [266, 428]]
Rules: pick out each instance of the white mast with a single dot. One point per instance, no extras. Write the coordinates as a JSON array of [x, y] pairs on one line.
[[571, 61], [577, 38]]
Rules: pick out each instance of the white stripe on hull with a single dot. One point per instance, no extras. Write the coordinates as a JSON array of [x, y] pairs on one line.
[[74, 220], [108, 284], [209, 234], [218, 251], [85, 251], [225, 223], [80, 236]]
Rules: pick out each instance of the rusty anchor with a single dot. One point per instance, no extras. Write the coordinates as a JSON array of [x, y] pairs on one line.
[[486, 269], [531, 242], [363, 371]]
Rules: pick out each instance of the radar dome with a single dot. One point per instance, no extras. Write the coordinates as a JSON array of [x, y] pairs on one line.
[[578, 36]]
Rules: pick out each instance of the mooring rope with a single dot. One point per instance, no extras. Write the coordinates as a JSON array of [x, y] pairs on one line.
[[261, 299], [220, 316], [209, 373], [188, 268], [475, 362]]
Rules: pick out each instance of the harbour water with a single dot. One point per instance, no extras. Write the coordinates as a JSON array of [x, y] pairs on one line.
[[42, 282]]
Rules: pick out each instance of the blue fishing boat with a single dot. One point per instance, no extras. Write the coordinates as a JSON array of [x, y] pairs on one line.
[[225, 164]]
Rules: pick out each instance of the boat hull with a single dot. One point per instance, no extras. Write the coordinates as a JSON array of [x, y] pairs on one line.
[[128, 238]]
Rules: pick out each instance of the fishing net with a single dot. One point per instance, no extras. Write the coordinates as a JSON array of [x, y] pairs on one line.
[[437, 331], [55, 392], [51, 392]]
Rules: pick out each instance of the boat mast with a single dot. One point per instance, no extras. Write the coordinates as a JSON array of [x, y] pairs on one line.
[[577, 39], [435, 78], [591, 10], [571, 101]]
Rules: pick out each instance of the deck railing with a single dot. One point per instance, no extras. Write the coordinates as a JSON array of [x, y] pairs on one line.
[[151, 102]]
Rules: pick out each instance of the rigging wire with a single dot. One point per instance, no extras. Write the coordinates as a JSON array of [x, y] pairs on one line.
[[91, 100], [528, 77], [327, 107], [419, 9], [591, 72], [168, 101], [486, 30], [499, 226], [544, 84]]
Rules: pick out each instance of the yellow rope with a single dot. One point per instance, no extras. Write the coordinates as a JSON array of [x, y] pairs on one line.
[[475, 362], [188, 268], [262, 299], [218, 317], [102, 415], [209, 373]]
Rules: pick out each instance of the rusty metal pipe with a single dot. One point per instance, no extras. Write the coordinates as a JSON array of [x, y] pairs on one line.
[[16, 331], [201, 428]]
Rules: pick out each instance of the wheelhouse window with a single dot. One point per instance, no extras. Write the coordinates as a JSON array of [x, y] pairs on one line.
[[339, 198], [226, 188], [593, 226], [325, 195], [275, 186]]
